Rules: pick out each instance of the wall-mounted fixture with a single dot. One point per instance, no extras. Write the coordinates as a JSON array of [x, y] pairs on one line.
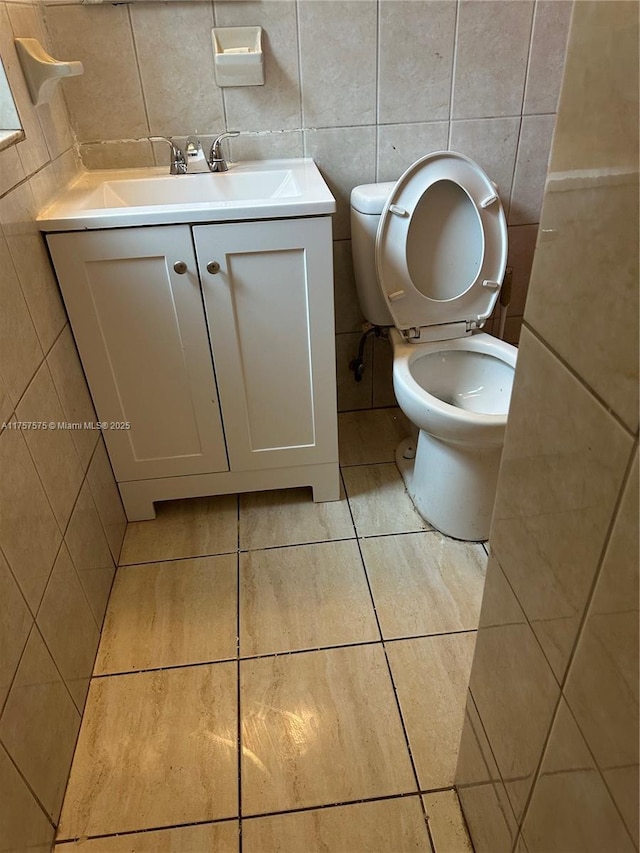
[[41, 70], [237, 56]]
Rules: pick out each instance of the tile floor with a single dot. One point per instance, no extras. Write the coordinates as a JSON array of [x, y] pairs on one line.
[[275, 674]]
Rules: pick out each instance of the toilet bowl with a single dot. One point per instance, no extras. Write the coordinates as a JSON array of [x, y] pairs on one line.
[[429, 256]]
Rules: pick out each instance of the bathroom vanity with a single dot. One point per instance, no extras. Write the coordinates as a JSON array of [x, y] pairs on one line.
[[204, 326]]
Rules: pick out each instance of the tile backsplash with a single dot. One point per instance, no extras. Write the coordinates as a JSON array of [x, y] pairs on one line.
[[365, 87]]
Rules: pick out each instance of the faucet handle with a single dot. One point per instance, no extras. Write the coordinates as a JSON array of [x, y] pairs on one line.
[[217, 163], [178, 161]]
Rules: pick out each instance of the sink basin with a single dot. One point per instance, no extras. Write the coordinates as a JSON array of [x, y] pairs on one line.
[[252, 190]]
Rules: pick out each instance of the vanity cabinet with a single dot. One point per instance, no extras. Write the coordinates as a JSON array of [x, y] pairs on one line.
[[215, 344]]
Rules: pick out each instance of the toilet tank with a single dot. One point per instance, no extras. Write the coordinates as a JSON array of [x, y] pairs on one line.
[[367, 202]]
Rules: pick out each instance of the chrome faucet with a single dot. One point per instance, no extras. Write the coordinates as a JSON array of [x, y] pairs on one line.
[[196, 161], [217, 162], [178, 164]]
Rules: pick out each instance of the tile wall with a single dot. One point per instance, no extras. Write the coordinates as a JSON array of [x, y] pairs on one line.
[[365, 87], [61, 521], [549, 756]]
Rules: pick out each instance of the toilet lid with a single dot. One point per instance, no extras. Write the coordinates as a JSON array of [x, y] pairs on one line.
[[441, 246]]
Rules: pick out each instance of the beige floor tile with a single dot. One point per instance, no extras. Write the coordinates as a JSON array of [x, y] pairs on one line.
[[304, 597], [371, 436], [380, 827], [290, 517], [431, 675], [448, 829], [379, 501], [155, 749], [167, 614], [320, 727], [218, 837], [191, 528], [425, 583]]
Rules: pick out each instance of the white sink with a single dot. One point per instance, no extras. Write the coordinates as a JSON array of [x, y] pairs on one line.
[[252, 190]]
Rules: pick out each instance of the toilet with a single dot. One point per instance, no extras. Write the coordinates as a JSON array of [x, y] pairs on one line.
[[429, 255]]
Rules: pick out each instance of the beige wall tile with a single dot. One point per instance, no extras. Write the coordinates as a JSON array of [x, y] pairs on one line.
[[149, 601], [491, 57], [290, 517], [509, 664], [546, 60], [522, 244], [107, 499], [221, 837], [68, 627], [600, 80], [39, 725], [11, 169], [190, 528], [396, 825], [26, 246], [179, 724], [431, 675], [15, 624], [551, 556], [383, 394], [100, 104], [68, 167], [368, 437], [304, 597], [20, 350], [483, 797], [330, 53], [27, 21], [29, 535], [120, 155], [90, 553], [351, 394], [557, 818], [348, 316], [531, 169], [71, 385], [602, 685], [446, 822], [346, 156], [267, 146], [22, 822], [400, 145], [590, 235], [277, 103], [424, 583], [32, 151], [179, 91], [52, 450], [379, 501], [318, 728], [492, 143], [415, 60]]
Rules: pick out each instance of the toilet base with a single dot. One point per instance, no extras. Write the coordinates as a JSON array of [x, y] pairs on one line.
[[453, 487]]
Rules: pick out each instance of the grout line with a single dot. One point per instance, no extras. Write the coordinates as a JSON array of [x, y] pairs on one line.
[[390, 673], [281, 653], [4, 749], [259, 815], [538, 336], [238, 683], [454, 59], [132, 32]]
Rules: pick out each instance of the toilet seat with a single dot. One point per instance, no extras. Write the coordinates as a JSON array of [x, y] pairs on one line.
[[441, 248]]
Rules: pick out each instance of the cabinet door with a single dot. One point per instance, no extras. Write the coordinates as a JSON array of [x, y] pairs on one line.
[[143, 341], [270, 315]]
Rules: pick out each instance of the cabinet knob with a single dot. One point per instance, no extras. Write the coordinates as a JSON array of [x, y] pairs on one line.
[[213, 267], [180, 267]]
